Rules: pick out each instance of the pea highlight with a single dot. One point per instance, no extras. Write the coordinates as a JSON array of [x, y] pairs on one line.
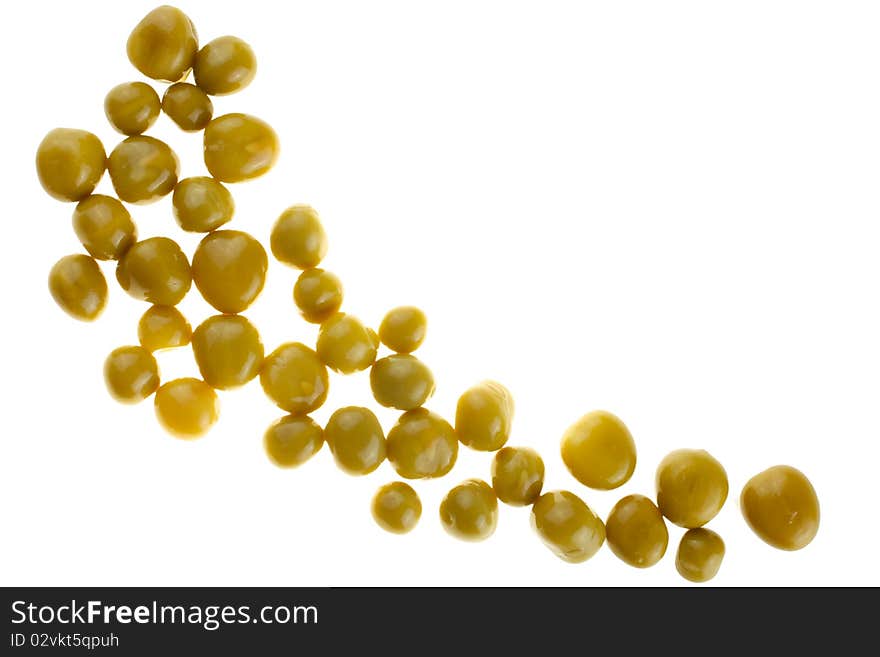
[[470, 511], [78, 287], [292, 440], [396, 507], [345, 345], [403, 329], [401, 381], [70, 163], [163, 45], [318, 295], [239, 147], [691, 487], [781, 507], [143, 169], [298, 238], [700, 554], [201, 204], [483, 416], [228, 351], [131, 374], [356, 440], [225, 65], [155, 270], [295, 378], [422, 445], [104, 227], [567, 526], [187, 408], [163, 327], [599, 451], [517, 475], [132, 107], [636, 531], [188, 106], [229, 269]]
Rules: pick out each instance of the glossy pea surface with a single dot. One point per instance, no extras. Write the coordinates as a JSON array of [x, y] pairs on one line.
[[345, 345], [567, 526], [155, 270], [396, 507], [239, 147], [229, 268], [422, 445], [78, 287], [228, 351], [187, 407], [318, 295], [517, 475], [131, 374], [483, 416], [782, 508], [70, 163], [188, 106], [401, 381], [201, 204], [636, 532], [403, 329], [470, 511], [599, 451], [691, 487], [132, 107], [104, 227], [295, 378], [163, 327], [143, 169], [163, 44], [225, 65], [699, 555], [292, 440], [298, 238], [356, 440]]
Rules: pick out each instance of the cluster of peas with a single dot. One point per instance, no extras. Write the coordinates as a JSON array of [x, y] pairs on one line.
[[229, 269]]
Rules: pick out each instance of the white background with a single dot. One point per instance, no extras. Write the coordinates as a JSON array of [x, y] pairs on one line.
[[667, 210]]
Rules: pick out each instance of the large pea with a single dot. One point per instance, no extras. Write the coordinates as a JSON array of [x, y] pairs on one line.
[[225, 65], [164, 44], [228, 351], [699, 555], [567, 526], [292, 440], [484, 415], [298, 238], [187, 407], [143, 169], [422, 445], [401, 381], [345, 345], [155, 270], [691, 487], [131, 374], [104, 227], [70, 163], [403, 329], [78, 287], [239, 147], [470, 511], [782, 508], [517, 475], [295, 379], [636, 531], [356, 440], [229, 269], [599, 451], [396, 507]]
